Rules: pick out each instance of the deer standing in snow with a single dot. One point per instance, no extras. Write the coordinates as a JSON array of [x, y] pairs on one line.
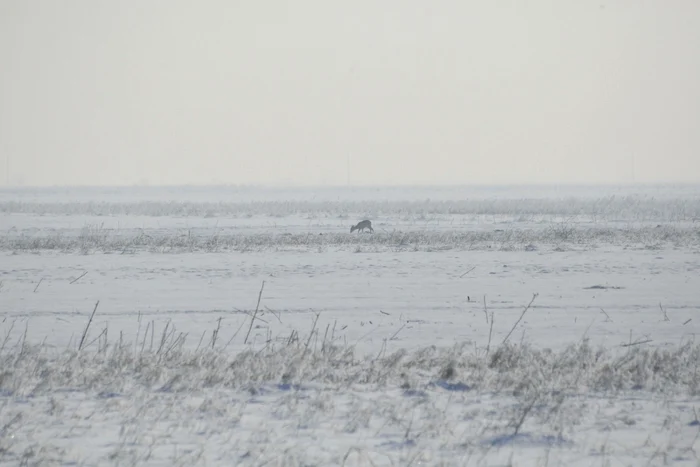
[[361, 226]]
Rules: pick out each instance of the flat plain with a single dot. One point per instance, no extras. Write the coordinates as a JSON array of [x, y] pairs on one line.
[[248, 326]]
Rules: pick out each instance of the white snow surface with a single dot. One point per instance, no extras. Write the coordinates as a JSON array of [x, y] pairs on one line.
[[476, 326]]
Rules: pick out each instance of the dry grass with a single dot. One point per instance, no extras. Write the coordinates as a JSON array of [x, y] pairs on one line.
[[97, 239], [100, 365], [608, 208], [445, 406]]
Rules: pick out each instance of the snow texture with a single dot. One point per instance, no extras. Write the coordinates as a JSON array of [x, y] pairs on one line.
[[248, 326]]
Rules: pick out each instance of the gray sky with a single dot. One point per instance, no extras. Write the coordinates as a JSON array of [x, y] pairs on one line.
[[230, 91]]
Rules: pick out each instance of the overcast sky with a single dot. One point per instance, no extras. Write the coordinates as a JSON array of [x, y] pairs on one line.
[[105, 92]]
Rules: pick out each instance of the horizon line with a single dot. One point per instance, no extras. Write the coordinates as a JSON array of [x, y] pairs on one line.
[[364, 186]]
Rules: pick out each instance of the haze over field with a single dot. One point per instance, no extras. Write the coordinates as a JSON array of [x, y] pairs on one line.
[[327, 93], [526, 293]]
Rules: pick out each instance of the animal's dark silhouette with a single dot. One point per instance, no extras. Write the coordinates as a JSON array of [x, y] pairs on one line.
[[361, 226]]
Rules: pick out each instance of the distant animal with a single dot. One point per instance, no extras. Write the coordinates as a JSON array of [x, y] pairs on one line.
[[361, 226]]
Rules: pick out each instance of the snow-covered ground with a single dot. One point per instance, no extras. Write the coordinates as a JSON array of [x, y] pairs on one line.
[[475, 326]]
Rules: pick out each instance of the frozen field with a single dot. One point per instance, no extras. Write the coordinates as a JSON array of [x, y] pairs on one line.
[[475, 326]]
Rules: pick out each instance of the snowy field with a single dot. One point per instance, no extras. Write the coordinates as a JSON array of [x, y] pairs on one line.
[[523, 326]]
